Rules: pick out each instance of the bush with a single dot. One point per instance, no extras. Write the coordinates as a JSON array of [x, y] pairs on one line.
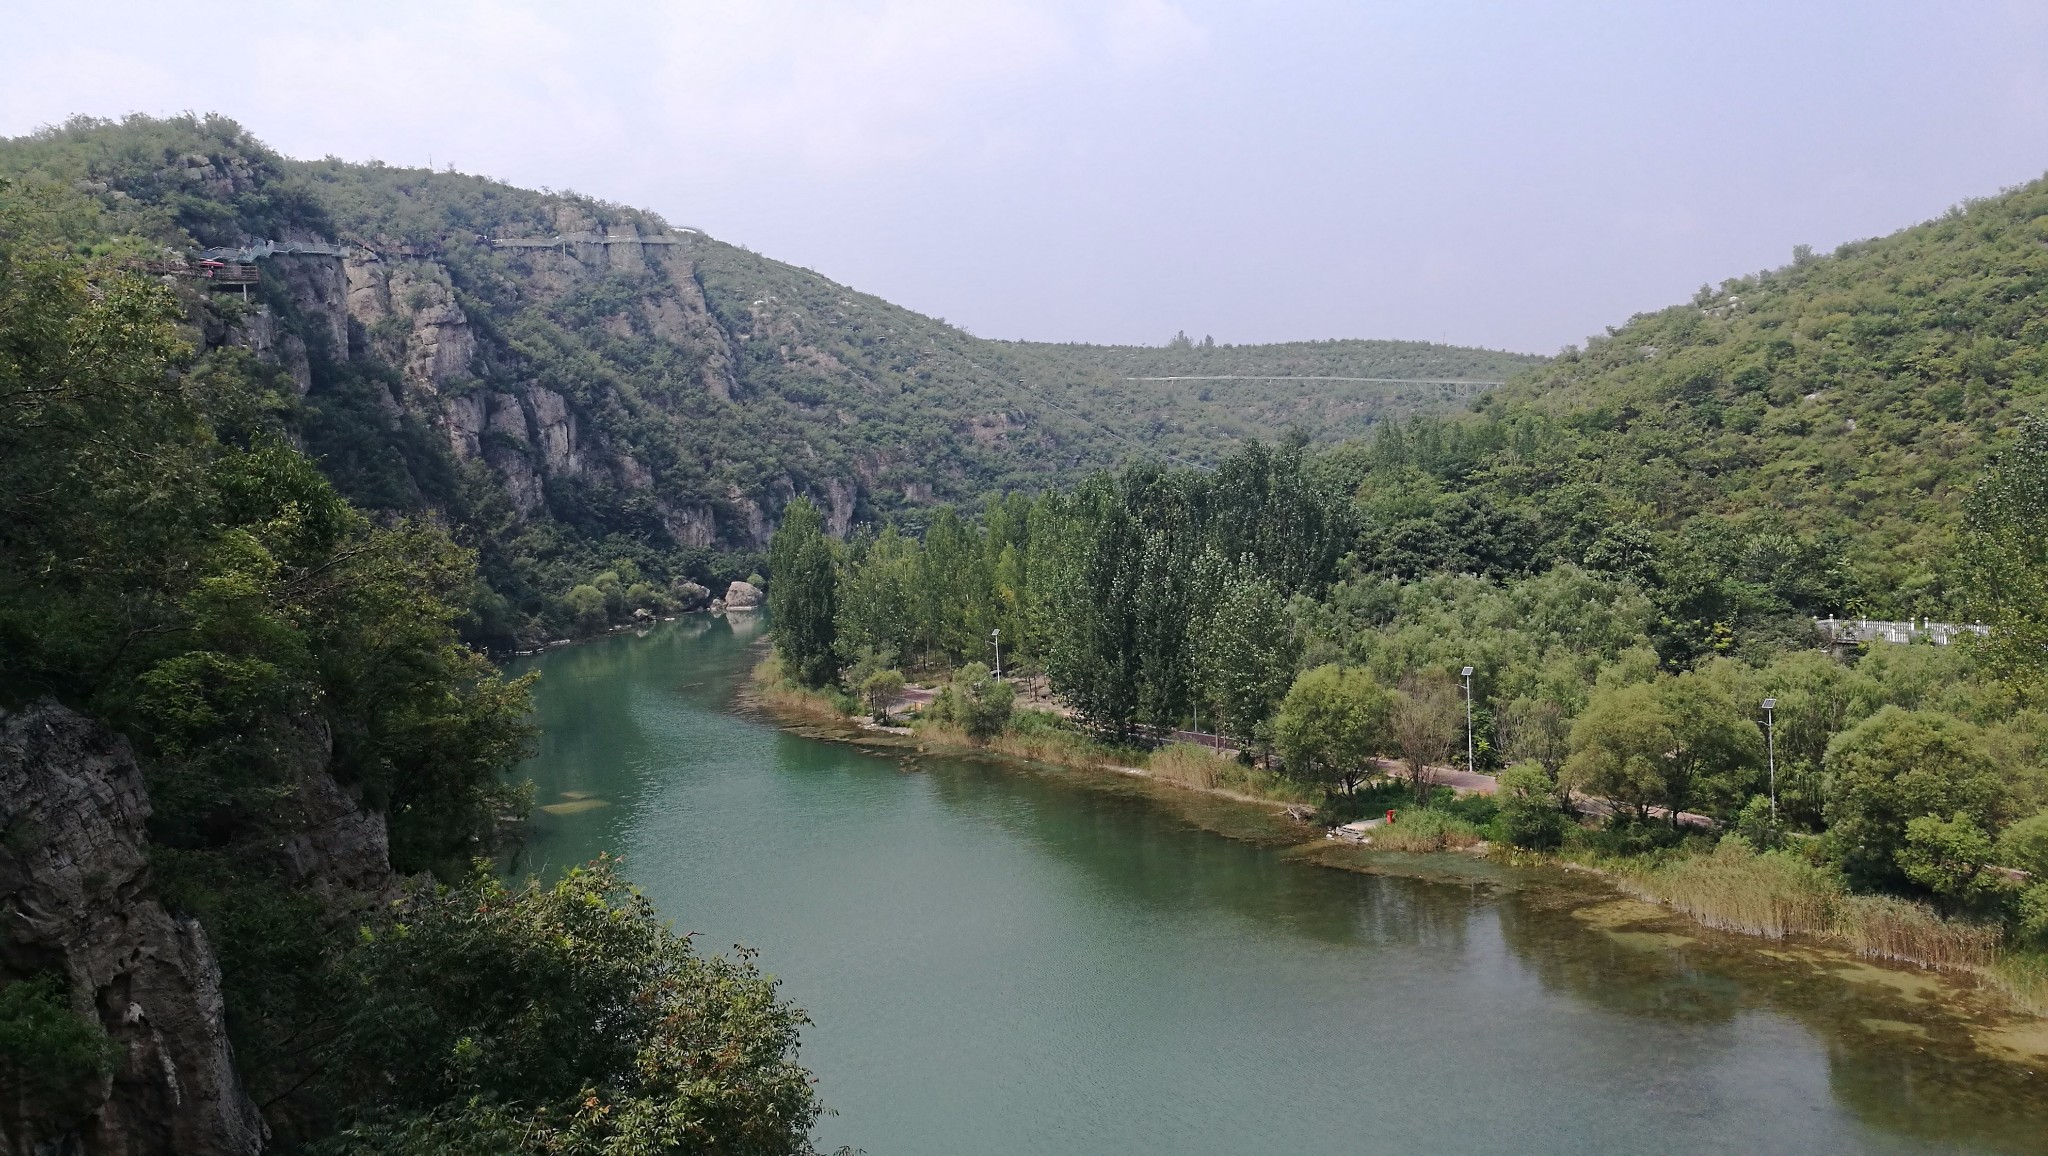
[[1528, 803], [47, 1048], [565, 1018], [975, 702], [879, 690]]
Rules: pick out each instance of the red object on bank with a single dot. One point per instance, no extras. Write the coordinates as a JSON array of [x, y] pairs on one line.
[[1390, 818]]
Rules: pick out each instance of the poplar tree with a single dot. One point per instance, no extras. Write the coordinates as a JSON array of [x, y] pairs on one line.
[[803, 595]]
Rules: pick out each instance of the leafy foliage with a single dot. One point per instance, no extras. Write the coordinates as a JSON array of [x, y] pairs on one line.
[[557, 1019]]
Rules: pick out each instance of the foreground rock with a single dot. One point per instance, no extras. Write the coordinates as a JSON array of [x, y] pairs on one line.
[[743, 596], [75, 897]]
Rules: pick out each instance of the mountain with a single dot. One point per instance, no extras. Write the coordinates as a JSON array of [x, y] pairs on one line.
[[1792, 442], [574, 383]]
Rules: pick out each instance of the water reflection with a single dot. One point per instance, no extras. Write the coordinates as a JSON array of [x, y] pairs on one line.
[[1077, 963]]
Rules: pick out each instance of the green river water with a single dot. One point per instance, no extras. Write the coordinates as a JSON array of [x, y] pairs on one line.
[[1009, 960]]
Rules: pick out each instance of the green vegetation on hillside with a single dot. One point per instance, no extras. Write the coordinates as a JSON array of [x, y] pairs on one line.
[[702, 386], [1153, 600], [284, 666], [1793, 442]]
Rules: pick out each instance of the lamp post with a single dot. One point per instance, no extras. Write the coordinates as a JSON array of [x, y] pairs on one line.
[[996, 637], [1771, 752], [1471, 763]]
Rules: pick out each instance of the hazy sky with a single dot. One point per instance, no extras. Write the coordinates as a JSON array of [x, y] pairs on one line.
[[1512, 175]]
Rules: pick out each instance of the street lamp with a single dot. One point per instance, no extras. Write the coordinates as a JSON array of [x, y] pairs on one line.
[[1471, 764], [1771, 752], [996, 636]]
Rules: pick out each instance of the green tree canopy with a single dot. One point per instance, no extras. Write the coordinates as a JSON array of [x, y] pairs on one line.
[[1332, 723], [1897, 766], [2005, 555], [803, 595]]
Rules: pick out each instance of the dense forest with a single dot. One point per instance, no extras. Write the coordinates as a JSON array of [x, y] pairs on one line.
[[1612, 564], [633, 417], [211, 941]]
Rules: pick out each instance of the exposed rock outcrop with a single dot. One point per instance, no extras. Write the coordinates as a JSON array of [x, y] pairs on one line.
[[75, 897], [743, 596], [689, 594]]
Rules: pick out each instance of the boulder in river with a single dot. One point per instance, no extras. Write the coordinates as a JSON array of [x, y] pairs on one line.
[[689, 594], [743, 596]]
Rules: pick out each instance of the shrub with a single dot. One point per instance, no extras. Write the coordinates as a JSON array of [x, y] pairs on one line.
[[879, 690], [45, 1046], [1528, 804], [975, 702], [565, 1018]]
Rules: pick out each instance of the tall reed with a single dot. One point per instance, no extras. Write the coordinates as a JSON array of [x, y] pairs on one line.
[[1886, 928], [1423, 831], [1734, 890], [1778, 894]]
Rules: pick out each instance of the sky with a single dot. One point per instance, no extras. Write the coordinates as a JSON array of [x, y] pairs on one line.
[[1513, 175]]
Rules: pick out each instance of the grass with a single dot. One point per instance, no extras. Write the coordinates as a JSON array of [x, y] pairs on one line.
[[1423, 830], [780, 693], [1038, 736], [2023, 975], [1201, 769], [1777, 894], [1771, 895]]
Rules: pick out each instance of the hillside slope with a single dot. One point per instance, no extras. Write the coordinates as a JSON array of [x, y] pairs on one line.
[[1799, 438], [634, 390]]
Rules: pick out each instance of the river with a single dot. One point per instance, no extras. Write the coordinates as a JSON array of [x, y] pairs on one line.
[[1006, 960]]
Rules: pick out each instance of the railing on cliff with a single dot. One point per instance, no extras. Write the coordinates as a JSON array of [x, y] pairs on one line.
[[1849, 631]]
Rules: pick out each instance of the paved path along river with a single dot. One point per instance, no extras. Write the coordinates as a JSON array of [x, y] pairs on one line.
[[1015, 961]]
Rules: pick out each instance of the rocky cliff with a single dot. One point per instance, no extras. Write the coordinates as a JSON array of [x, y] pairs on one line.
[[76, 899]]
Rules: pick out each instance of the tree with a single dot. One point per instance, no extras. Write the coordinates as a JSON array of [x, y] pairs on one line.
[[559, 1018], [1331, 724], [1530, 815], [585, 605], [879, 691], [1897, 766], [803, 597], [875, 588], [1429, 721], [1618, 748], [1534, 730], [2024, 844], [976, 702], [1245, 655], [1671, 742], [2005, 555], [1946, 856]]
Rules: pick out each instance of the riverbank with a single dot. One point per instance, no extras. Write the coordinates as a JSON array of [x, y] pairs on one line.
[[1728, 902], [1035, 737]]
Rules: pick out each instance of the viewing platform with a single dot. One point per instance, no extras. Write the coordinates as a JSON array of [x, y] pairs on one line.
[[1849, 631]]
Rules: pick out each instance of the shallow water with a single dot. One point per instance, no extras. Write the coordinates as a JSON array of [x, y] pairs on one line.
[[1017, 961]]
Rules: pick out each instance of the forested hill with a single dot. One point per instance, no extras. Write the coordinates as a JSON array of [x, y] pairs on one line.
[[605, 398], [1194, 400], [1797, 440]]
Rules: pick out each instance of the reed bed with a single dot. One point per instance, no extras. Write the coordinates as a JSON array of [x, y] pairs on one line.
[[1199, 768], [2024, 977], [1768, 895], [1190, 766], [1778, 894], [1886, 928], [1423, 831]]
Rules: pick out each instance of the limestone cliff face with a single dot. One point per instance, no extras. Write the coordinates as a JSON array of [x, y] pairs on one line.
[[400, 307], [75, 895]]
